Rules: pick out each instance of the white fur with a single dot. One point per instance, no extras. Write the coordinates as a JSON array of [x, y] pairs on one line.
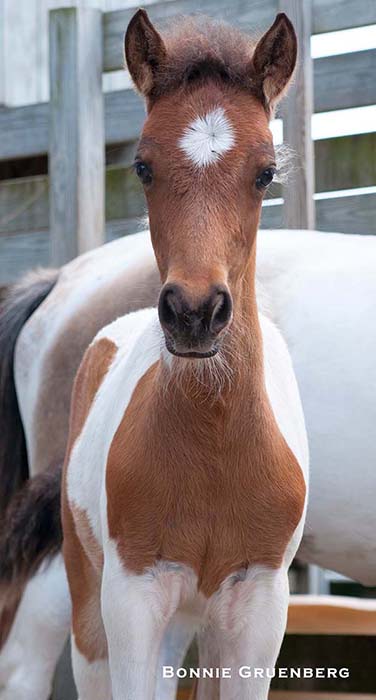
[[92, 678], [208, 138], [36, 640]]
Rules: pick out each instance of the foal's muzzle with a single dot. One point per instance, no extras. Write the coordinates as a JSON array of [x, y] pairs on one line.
[[192, 329]]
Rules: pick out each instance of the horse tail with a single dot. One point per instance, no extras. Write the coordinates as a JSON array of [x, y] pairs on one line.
[[17, 304], [31, 533]]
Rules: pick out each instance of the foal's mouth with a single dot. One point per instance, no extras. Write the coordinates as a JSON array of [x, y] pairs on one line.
[[190, 354]]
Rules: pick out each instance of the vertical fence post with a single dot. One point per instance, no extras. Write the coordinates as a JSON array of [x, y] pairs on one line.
[[2, 52], [77, 141], [299, 206]]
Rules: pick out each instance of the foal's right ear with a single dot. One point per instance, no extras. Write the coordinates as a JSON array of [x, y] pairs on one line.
[[274, 60], [144, 52]]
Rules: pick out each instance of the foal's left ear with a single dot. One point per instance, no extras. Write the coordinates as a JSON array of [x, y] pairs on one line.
[[274, 60], [145, 52]]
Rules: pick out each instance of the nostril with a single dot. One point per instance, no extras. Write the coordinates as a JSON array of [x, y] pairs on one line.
[[222, 310], [168, 314]]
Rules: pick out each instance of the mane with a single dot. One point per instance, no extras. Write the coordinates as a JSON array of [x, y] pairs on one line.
[[200, 48]]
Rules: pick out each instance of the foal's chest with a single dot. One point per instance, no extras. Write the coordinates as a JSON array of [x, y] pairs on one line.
[[186, 482]]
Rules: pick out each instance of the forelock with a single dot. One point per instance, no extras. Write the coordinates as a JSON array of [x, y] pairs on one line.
[[198, 49]]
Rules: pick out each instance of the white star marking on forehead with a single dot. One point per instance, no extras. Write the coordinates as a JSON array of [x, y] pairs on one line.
[[208, 138]]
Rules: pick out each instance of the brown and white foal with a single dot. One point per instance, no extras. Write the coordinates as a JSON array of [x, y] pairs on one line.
[[185, 477]]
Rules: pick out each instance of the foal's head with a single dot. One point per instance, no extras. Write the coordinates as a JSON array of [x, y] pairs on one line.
[[205, 159]]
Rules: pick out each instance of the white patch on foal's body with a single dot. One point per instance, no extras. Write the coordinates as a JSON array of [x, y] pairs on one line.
[[86, 476], [208, 138]]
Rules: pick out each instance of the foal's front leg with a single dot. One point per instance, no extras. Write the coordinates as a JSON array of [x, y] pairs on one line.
[[136, 610], [251, 619]]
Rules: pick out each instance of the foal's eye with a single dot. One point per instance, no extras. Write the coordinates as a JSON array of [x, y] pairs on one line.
[[265, 178], [143, 172]]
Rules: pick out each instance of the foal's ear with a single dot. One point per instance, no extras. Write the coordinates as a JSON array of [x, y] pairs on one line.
[[144, 51], [274, 60]]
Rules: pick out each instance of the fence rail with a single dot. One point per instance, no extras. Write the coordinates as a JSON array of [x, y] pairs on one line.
[[55, 212]]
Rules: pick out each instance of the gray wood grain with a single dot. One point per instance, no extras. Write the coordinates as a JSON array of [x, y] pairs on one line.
[[24, 204], [344, 81], [251, 15], [334, 15], [26, 130], [299, 208], [21, 252], [352, 214], [345, 162], [76, 153]]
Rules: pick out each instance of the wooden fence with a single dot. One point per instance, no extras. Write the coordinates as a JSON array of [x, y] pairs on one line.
[[49, 217]]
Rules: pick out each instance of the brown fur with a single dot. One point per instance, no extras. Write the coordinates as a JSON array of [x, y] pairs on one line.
[[7, 616], [82, 555], [214, 487], [209, 218]]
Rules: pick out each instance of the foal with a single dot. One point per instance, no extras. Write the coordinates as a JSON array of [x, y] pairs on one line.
[[185, 477]]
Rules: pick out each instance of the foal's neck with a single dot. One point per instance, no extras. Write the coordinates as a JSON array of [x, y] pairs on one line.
[[244, 339], [237, 370]]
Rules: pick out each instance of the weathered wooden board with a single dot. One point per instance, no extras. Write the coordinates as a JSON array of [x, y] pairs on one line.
[[345, 81], [334, 15], [299, 205], [124, 116], [26, 130], [352, 214], [21, 252], [77, 141], [24, 204], [345, 162], [328, 614]]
